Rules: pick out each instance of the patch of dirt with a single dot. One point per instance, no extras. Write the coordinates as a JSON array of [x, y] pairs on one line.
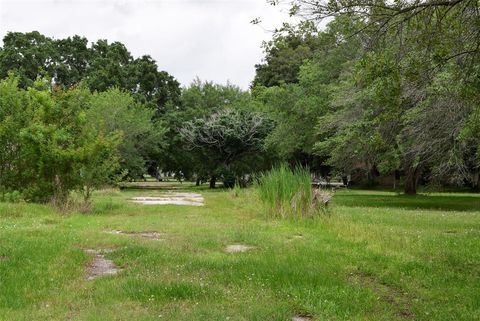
[[191, 199], [398, 300], [3, 258], [100, 266], [148, 235], [302, 318], [237, 248]]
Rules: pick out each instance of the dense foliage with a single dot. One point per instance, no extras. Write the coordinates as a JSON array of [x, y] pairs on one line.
[[384, 93], [48, 146], [104, 116], [390, 91], [199, 100], [101, 65], [229, 143]]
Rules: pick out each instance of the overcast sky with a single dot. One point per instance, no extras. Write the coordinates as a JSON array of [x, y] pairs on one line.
[[211, 39]]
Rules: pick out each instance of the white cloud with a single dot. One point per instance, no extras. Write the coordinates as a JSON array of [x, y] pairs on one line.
[[211, 39]]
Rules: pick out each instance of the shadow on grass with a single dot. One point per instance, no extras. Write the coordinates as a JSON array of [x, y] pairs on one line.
[[426, 202]]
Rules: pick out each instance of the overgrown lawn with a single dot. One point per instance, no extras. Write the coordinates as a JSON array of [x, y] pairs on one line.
[[375, 256]]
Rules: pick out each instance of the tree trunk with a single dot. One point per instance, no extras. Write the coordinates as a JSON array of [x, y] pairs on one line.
[[197, 182], [396, 176], [370, 179], [86, 194], [213, 180], [412, 176], [372, 175], [474, 181]]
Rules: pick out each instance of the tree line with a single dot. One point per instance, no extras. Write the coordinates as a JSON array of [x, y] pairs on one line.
[[384, 93], [387, 89], [75, 116]]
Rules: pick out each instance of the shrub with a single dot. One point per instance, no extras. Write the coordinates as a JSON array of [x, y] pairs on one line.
[[288, 193], [12, 197]]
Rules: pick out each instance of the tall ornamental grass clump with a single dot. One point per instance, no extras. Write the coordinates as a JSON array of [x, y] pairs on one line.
[[287, 193]]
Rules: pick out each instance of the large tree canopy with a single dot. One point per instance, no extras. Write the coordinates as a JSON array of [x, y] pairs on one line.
[[285, 53], [384, 89], [102, 65], [400, 93], [225, 139], [200, 99], [114, 111], [296, 107]]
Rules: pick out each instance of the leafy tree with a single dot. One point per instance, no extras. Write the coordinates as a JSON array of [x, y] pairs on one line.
[[48, 148], [101, 66], [225, 139], [109, 66], [285, 53], [297, 107], [54, 143], [152, 87], [200, 99], [116, 112], [72, 59], [28, 55], [13, 118], [98, 162], [406, 103], [204, 97], [359, 131], [388, 22]]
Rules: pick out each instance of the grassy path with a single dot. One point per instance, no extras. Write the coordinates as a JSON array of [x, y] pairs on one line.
[[377, 256]]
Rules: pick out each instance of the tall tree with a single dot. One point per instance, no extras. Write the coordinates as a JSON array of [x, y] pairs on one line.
[[225, 140], [14, 116], [46, 147], [72, 58], [152, 87], [101, 66], [200, 99], [116, 112], [296, 107], [397, 105], [29, 55], [284, 54], [109, 66]]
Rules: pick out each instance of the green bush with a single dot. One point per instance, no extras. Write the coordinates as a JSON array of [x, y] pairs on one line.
[[287, 193], [56, 147], [12, 197]]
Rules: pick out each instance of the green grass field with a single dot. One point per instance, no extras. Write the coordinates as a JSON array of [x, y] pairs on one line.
[[374, 256]]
